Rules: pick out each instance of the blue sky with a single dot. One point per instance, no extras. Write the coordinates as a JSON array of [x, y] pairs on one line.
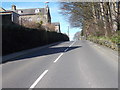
[[54, 10]]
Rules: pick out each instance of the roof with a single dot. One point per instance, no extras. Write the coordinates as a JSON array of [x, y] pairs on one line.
[[30, 11], [7, 12], [56, 23], [2, 9]]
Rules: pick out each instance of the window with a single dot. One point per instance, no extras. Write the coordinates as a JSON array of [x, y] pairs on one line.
[[20, 12], [30, 19], [37, 11], [38, 19]]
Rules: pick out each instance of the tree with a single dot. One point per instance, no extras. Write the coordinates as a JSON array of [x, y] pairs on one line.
[[95, 18]]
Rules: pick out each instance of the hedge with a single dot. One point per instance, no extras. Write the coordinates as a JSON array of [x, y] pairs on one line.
[[16, 38]]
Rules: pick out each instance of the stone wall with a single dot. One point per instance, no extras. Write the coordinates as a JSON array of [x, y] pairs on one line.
[[32, 18]]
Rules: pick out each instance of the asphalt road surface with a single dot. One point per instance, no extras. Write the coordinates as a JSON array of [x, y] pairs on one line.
[[72, 64]]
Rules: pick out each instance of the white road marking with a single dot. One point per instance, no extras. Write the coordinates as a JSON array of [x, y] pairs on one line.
[[62, 53], [39, 78], [43, 74], [66, 49], [71, 44], [58, 57]]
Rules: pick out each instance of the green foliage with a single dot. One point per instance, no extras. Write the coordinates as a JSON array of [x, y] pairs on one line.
[[82, 33], [111, 42], [116, 38], [41, 22]]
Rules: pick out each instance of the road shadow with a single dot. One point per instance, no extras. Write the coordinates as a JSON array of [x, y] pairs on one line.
[[44, 51]]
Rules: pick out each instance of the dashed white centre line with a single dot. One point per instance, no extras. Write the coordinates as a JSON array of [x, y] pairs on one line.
[[43, 74], [66, 49], [71, 44], [38, 80], [58, 57], [62, 53]]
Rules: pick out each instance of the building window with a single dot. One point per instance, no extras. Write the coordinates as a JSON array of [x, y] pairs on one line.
[[117, 4], [20, 12], [37, 11], [38, 19], [30, 19]]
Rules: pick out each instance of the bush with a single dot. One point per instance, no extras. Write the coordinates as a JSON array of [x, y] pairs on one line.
[[116, 38]]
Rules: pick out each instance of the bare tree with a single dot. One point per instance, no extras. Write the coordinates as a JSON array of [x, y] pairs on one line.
[[95, 18]]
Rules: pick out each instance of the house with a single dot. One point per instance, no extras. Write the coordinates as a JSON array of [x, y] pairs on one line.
[[2, 9], [37, 15], [57, 26], [9, 16], [29, 16]]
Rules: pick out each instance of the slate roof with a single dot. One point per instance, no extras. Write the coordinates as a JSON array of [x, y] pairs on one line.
[[2, 9], [56, 23], [7, 12], [29, 11]]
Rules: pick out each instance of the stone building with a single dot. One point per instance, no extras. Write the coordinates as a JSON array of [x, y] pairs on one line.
[[9, 16], [30, 17], [57, 26], [37, 15]]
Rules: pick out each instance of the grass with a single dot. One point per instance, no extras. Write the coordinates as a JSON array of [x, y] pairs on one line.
[[111, 42]]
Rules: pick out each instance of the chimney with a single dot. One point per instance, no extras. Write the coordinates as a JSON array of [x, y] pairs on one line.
[[13, 7]]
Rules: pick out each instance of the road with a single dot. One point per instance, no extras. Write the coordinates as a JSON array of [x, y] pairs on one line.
[[72, 64]]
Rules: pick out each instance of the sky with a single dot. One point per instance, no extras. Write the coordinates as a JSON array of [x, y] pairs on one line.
[[54, 11]]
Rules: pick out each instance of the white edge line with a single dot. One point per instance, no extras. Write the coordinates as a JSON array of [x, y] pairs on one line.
[[58, 58], [39, 78]]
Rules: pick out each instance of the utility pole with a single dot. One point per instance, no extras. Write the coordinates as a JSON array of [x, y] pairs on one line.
[[68, 31]]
